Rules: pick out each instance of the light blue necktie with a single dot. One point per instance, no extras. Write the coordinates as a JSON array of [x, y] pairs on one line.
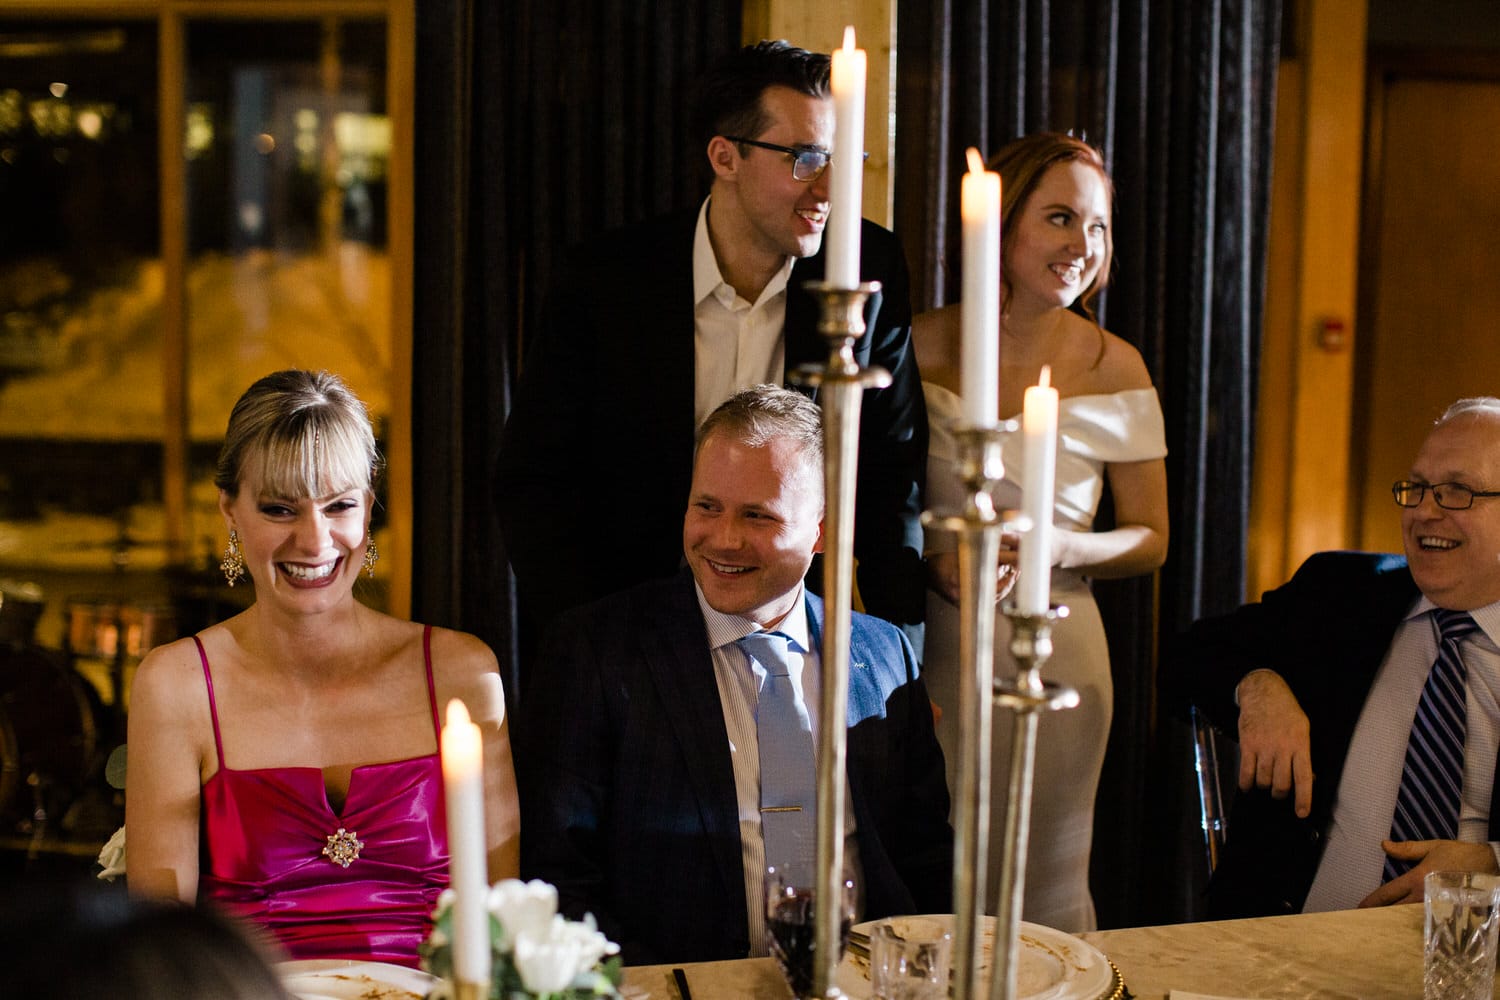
[[1427, 801], [788, 780]]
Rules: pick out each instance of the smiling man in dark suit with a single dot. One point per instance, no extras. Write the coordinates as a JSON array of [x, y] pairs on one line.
[[1337, 683], [653, 326], [649, 797]]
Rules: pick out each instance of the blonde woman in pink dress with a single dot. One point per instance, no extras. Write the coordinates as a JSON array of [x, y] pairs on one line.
[[284, 763], [1056, 250]]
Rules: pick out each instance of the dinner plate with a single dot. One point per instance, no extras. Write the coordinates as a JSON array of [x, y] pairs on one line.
[[334, 979], [1053, 966]]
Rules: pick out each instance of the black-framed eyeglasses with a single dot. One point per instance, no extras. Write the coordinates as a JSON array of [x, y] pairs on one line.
[[808, 162], [1449, 496]]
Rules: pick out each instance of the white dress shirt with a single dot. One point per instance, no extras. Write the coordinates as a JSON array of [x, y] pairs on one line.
[[739, 680], [1352, 864], [736, 344]]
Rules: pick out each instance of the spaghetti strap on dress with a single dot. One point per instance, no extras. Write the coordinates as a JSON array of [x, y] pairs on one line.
[[356, 883]]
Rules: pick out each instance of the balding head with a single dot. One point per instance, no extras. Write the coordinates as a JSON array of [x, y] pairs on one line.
[[1455, 554]]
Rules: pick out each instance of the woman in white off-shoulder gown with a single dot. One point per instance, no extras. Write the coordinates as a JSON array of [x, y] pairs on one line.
[[1057, 210]]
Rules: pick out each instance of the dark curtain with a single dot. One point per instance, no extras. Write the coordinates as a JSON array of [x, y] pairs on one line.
[[538, 123], [1178, 95]]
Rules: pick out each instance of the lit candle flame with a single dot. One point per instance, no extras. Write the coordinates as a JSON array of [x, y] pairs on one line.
[[976, 162], [458, 713]]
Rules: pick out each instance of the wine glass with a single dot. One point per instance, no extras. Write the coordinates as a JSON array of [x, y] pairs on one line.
[[791, 931]]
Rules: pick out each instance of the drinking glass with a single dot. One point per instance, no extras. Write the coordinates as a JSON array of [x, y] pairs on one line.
[[791, 932], [1462, 917], [909, 959]]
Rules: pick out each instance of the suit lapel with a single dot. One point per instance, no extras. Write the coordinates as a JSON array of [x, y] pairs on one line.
[[676, 647]]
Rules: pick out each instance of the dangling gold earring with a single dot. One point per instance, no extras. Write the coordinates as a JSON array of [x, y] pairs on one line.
[[233, 563], [372, 554]]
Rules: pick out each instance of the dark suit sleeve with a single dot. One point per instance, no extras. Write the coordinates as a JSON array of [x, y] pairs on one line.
[[1326, 632], [926, 860], [538, 493], [563, 759], [1327, 627], [892, 448], [603, 408]]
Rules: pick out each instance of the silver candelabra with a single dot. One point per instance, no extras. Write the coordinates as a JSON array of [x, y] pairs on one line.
[[841, 382]]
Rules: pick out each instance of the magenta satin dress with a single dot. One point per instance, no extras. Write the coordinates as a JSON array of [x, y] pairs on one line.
[[263, 836]]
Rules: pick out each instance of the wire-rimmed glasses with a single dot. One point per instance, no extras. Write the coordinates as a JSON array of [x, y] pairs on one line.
[[808, 162], [1449, 496]]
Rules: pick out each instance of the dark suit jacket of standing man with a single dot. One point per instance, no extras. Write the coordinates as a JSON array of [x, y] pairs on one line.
[[628, 788], [1326, 632], [603, 416]]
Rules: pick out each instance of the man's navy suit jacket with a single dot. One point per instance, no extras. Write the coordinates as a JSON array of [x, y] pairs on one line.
[[602, 426], [1326, 631], [627, 788]]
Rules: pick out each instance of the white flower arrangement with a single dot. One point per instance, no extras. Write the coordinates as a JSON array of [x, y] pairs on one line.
[[112, 856], [537, 953]]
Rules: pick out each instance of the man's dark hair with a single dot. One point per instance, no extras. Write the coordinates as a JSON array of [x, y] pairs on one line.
[[729, 95]]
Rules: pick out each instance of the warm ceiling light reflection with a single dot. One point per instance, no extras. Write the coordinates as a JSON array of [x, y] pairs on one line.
[[200, 129], [58, 90], [90, 123]]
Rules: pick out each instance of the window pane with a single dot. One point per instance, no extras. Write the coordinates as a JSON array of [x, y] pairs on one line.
[[80, 302], [287, 145]]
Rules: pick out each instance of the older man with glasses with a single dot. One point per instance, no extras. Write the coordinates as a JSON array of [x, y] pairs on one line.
[[1366, 693], [653, 326]]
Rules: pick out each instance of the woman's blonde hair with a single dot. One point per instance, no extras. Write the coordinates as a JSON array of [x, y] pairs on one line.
[[304, 434]]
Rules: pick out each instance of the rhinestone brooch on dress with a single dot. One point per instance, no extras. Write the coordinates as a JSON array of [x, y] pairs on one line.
[[343, 848]]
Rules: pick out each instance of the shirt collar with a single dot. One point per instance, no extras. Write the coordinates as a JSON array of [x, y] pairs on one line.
[[706, 273], [708, 279], [1487, 617], [725, 629]]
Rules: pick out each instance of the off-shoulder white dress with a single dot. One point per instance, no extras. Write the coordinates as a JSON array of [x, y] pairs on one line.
[[1092, 431]]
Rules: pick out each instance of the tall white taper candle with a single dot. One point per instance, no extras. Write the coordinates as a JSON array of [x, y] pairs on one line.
[[468, 875], [980, 357], [845, 186], [1039, 468]]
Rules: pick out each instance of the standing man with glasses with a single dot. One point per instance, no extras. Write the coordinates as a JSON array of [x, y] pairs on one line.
[[653, 326], [1366, 692]]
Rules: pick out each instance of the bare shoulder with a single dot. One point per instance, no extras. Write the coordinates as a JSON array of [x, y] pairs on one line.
[[461, 650], [169, 673], [1120, 367], [464, 667], [169, 700]]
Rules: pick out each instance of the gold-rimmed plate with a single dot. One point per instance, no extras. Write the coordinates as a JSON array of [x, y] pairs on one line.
[[334, 979], [1053, 965]]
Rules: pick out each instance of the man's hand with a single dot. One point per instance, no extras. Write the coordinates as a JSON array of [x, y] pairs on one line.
[[1275, 752], [1430, 856]]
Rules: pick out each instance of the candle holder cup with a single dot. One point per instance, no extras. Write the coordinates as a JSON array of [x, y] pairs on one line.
[[841, 383]]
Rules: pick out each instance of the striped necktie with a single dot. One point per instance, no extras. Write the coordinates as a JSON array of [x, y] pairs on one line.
[[1427, 801], [788, 778]]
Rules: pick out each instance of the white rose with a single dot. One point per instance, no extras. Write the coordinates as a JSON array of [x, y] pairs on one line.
[[552, 960], [522, 908], [112, 856]]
